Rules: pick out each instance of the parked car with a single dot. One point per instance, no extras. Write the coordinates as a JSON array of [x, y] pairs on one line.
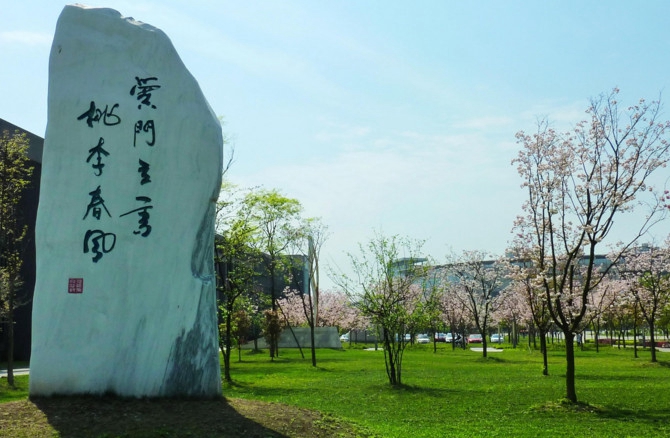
[[453, 337], [422, 339], [475, 339], [498, 338], [344, 337], [440, 337]]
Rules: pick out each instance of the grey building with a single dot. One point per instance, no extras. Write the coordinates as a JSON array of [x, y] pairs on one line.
[[28, 205]]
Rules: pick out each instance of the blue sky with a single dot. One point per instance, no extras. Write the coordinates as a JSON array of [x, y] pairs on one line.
[[382, 115]]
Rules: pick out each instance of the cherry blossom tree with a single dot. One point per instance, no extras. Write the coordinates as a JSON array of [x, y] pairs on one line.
[[625, 313], [647, 270], [578, 183], [604, 299], [480, 279], [511, 310], [527, 283], [292, 307], [454, 312], [664, 321], [337, 310]]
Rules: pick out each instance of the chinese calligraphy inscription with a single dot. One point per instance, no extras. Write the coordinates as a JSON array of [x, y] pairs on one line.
[[97, 241]]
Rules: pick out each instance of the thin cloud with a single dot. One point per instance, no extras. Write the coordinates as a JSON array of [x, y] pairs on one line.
[[486, 122], [26, 38]]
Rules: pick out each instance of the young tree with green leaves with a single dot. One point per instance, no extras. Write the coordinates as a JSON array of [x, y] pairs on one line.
[[236, 263], [386, 284], [275, 223], [15, 172]]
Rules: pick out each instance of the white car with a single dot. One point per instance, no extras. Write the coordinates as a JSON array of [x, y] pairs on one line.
[[498, 338], [422, 339], [344, 337]]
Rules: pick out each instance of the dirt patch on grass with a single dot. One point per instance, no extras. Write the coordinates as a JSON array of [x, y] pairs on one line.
[[565, 405], [113, 417]]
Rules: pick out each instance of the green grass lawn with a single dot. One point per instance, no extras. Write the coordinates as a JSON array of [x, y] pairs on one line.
[[447, 394], [18, 392], [458, 393]]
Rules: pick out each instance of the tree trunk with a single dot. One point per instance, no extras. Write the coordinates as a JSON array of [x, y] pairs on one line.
[[390, 364], [635, 335], [652, 339], [312, 321], [311, 334], [295, 338], [391, 373], [227, 350], [397, 356], [570, 393], [543, 347], [274, 347], [10, 336], [534, 339]]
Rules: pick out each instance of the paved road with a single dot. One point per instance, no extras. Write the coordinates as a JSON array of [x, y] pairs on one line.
[[17, 372]]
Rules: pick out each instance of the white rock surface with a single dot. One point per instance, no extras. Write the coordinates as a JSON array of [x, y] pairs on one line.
[[125, 294]]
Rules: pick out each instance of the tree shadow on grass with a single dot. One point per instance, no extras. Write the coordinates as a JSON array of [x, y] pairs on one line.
[[608, 378], [646, 415], [492, 359], [270, 392], [608, 412], [114, 416], [431, 392]]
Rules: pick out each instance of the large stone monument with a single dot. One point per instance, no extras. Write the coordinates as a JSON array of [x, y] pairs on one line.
[[125, 294]]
